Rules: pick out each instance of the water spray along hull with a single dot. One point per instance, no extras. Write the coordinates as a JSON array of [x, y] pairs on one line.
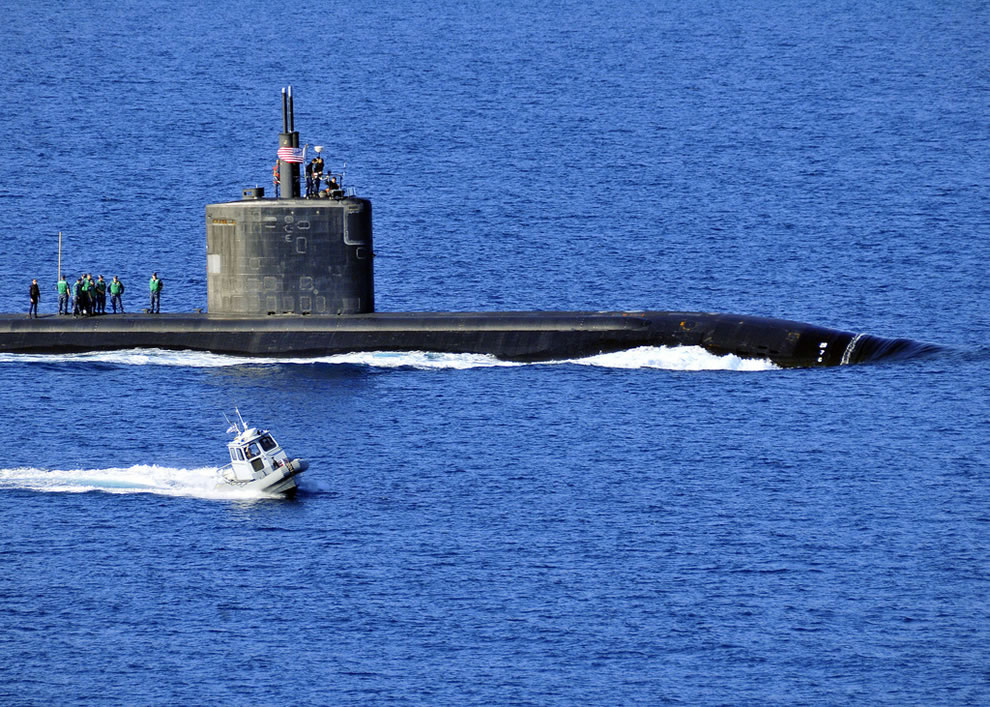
[[511, 336]]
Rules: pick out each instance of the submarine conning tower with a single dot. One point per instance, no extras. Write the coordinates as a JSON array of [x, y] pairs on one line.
[[290, 254]]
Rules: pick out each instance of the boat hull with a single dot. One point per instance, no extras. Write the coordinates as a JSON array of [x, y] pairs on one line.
[[282, 480], [514, 336]]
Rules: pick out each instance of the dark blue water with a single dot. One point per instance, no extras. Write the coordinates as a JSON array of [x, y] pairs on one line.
[[656, 527]]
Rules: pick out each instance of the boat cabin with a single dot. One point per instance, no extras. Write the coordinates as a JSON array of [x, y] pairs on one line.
[[254, 454]]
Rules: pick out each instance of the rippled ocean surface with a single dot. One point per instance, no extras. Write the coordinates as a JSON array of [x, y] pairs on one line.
[[658, 526]]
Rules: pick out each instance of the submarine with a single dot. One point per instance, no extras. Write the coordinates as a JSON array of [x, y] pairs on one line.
[[292, 276]]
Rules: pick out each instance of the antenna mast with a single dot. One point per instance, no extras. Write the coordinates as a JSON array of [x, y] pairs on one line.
[[288, 171]]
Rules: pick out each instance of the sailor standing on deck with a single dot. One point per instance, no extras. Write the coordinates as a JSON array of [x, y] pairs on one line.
[[35, 296], [85, 297], [317, 165], [63, 296], [155, 286], [77, 306], [116, 290], [101, 295]]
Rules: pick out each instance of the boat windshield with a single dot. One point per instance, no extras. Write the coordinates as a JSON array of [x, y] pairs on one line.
[[252, 451], [267, 443]]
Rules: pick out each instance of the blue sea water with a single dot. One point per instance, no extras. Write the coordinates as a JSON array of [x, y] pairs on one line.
[[653, 527]]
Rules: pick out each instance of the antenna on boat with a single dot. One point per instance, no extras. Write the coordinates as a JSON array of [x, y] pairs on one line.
[[243, 424], [231, 427]]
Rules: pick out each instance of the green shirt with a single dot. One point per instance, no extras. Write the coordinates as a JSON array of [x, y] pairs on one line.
[[63, 287]]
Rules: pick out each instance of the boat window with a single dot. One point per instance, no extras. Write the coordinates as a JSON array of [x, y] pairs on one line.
[[267, 443], [233, 456], [252, 451], [240, 454]]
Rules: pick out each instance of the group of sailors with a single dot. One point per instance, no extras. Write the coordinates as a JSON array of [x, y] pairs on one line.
[[315, 181], [87, 296]]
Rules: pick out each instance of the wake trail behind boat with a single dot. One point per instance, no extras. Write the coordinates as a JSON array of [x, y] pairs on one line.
[[203, 482]]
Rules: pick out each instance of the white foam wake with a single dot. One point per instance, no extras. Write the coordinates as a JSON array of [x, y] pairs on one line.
[[203, 482], [678, 358], [202, 359]]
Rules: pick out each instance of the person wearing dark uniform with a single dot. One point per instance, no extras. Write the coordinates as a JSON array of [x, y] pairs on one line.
[[309, 179], [63, 296], [317, 173], [101, 295], [155, 286], [35, 297], [77, 305], [116, 290]]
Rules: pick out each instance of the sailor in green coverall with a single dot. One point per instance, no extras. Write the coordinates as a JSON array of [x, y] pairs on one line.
[[100, 289], [155, 286], [86, 298], [116, 290], [63, 296]]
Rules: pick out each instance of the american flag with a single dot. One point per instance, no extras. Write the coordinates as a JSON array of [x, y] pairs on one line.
[[290, 154]]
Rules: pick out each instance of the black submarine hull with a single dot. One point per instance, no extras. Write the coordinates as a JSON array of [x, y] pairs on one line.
[[511, 336]]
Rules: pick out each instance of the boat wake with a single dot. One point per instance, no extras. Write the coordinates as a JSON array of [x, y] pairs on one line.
[[678, 358], [202, 482]]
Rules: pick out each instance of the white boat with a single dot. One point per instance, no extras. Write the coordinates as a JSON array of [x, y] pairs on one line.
[[258, 462]]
